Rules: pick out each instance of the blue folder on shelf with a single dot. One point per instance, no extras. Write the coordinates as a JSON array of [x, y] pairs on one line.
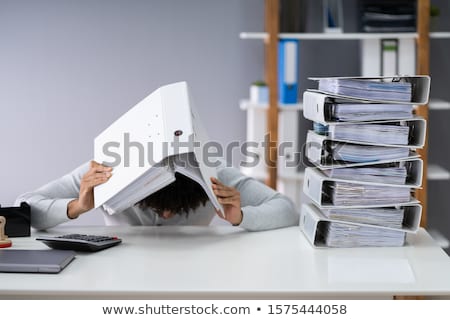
[[288, 70]]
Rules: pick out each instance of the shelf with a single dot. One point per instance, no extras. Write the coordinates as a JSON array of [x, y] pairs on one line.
[[344, 36], [246, 104], [439, 238], [440, 35], [259, 175], [438, 104], [433, 104], [330, 36], [299, 176], [436, 172]]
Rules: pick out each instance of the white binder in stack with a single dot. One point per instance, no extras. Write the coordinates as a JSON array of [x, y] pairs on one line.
[[321, 230], [388, 89], [324, 152], [329, 192]]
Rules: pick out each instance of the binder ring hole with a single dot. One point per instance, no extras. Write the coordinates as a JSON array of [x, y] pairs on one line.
[[178, 133]]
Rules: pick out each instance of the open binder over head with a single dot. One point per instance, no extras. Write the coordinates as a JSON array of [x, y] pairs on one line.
[[167, 125]]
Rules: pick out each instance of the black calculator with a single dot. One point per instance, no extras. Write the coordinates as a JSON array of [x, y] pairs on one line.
[[80, 242]]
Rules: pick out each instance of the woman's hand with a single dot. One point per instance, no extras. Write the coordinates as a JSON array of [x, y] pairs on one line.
[[230, 199], [97, 174]]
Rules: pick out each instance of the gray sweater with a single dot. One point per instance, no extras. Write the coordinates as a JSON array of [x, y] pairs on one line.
[[262, 207]]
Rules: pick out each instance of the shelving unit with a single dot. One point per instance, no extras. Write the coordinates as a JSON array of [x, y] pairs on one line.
[[271, 37], [289, 180], [343, 36]]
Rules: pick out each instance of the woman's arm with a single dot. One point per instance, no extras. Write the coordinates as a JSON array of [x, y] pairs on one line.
[[262, 207], [49, 203]]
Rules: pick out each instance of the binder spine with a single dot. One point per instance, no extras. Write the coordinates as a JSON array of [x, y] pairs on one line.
[[314, 106], [308, 224], [313, 186]]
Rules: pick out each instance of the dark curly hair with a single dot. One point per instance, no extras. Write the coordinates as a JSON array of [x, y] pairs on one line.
[[179, 197]]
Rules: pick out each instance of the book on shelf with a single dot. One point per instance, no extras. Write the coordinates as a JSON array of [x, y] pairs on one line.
[[387, 16], [384, 89], [288, 70], [325, 109], [166, 123], [389, 57], [332, 16]]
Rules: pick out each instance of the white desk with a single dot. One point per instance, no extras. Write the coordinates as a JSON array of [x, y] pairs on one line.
[[226, 262]]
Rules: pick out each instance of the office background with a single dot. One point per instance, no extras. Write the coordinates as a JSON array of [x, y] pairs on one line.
[[70, 68]]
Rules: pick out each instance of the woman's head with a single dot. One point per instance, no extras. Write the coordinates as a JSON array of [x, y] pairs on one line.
[[179, 197]]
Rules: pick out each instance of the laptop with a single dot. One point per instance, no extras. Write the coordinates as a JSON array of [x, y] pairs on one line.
[[35, 261]]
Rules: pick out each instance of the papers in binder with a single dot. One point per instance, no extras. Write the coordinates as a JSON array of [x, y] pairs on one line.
[[326, 192], [363, 153], [337, 235], [406, 218], [410, 132], [355, 194], [398, 91], [324, 152], [388, 89], [165, 122], [322, 231], [371, 133], [399, 172], [324, 109], [387, 217]]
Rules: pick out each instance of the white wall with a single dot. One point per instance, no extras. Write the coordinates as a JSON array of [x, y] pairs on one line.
[[70, 68]]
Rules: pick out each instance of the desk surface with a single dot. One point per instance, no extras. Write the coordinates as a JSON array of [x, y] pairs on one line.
[[227, 262]]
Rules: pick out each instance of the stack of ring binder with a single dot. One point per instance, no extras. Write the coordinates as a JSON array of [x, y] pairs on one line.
[[363, 165]]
